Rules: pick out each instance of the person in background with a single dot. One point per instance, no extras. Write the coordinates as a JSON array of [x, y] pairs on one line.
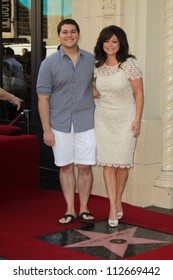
[[13, 81], [119, 88], [5, 95], [15, 71], [26, 63], [66, 107], [24, 51]]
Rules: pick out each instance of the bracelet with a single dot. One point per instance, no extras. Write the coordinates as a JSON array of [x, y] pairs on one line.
[[13, 99]]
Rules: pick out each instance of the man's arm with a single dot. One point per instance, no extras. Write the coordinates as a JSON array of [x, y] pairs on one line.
[[43, 107]]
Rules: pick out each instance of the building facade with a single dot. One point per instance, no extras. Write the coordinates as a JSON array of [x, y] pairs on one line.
[[149, 27]]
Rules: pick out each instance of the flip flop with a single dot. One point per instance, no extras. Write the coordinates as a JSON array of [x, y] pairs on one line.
[[72, 219], [82, 219]]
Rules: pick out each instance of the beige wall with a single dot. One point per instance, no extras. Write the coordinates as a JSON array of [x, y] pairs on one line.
[[145, 39]]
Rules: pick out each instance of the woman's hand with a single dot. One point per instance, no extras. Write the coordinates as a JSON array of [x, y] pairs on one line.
[[136, 128], [17, 102], [96, 93]]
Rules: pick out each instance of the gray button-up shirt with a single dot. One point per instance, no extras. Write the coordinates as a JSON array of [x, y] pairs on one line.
[[70, 90]]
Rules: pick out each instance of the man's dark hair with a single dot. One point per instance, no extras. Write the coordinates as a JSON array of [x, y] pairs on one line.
[[8, 51], [67, 21]]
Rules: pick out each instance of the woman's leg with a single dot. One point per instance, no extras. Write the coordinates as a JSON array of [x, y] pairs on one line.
[[122, 176], [109, 174]]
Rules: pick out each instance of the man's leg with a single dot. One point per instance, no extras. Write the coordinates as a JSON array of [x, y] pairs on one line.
[[63, 154], [84, 185], [68, 185], [85, 158]]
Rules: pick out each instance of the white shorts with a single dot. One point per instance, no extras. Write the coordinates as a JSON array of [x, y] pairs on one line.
[[77, 148]]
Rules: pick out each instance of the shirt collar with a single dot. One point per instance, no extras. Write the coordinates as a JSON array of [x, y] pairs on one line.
[[62, 53]]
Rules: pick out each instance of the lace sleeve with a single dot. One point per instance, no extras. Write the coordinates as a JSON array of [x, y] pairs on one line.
[[132, 69]]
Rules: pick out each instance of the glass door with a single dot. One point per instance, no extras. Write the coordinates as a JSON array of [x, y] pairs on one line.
[[16, 54], [26, 25]]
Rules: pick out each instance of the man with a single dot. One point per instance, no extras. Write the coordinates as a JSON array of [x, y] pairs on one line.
[[66, 109], [13, 70]]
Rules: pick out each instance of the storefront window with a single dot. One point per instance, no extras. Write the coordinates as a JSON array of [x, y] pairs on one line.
[[16, 63], [17, 42]]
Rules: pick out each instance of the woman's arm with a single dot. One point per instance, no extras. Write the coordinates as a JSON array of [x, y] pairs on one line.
[[5, 95], [137, 86], [96, 93]]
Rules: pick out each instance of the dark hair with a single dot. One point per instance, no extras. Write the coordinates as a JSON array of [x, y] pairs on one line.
[[105, 35], [25, 49], [67, 21], [9, 51]]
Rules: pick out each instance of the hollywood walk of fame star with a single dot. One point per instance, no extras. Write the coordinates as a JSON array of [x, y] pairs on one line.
[[116, 242]]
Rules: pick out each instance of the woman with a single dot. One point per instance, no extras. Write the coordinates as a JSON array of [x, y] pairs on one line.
[[5, 95], [118, 113]]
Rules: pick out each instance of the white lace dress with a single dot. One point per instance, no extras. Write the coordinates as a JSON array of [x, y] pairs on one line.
[[114, 114]]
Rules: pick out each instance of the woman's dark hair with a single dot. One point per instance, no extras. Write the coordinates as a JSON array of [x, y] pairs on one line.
[[105, 35], [67, 21]]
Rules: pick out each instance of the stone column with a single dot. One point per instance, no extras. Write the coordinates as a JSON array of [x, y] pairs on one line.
[[163, 189]]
